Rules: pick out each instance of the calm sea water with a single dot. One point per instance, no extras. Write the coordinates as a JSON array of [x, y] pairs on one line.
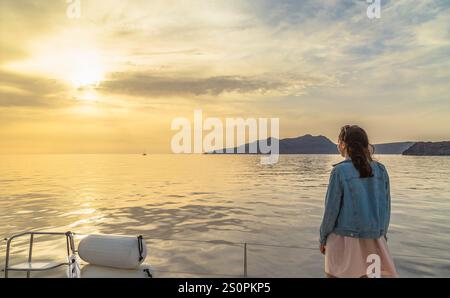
[[229, 198]]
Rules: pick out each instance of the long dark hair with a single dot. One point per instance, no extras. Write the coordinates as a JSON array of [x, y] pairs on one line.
[[358, 148]]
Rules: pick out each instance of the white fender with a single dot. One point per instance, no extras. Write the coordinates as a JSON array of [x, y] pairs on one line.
[[123, 252]]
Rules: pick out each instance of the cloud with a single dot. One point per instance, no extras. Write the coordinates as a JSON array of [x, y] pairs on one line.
[[26, 90], [149, 84], [23, 20]]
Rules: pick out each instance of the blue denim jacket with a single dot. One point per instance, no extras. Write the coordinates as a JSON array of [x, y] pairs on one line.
[[356, 207]]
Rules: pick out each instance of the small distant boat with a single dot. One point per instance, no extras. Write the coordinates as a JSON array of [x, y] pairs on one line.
[[144, 154]]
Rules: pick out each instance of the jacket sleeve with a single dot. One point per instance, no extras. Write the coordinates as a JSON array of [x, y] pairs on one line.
[[332, 206], [388, 204]]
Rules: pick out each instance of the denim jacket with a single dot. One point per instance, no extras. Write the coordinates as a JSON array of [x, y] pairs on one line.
[[356, 207]]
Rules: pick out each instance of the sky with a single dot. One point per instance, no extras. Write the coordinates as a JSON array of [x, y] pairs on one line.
[[112, 80]]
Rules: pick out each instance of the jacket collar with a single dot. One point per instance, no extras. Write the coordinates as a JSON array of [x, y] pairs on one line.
[[344, 161]]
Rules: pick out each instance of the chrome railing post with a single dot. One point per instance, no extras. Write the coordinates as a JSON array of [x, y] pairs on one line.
[[245, 259], [30, 253], [8, 245]]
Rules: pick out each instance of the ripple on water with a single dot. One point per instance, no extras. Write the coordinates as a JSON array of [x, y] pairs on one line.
[[230, 198]]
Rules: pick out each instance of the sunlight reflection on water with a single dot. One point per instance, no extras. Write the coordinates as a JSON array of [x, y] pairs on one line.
[[231, 198]]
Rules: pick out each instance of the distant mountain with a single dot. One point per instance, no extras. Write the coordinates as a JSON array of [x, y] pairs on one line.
[[306, 144], [429, 149], [309, 144], [392, 148]]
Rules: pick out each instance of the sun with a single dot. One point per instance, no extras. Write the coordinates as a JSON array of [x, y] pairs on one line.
[[78, 67], [86, 71], [86, 77]]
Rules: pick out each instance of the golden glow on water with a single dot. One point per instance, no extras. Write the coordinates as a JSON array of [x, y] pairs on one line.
[[206, 197]]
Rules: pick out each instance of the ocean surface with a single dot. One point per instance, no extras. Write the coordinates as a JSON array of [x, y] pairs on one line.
[[196, 210]]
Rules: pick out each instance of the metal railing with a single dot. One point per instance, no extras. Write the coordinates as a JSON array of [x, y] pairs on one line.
[[245, 246], [70, 244]]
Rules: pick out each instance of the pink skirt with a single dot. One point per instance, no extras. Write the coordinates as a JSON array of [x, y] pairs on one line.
[[347, 256]]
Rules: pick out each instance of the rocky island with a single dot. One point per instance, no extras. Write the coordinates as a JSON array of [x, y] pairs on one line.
[[429, 149]]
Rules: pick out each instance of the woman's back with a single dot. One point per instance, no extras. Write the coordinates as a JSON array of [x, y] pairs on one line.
[[357, 210], [365, 206]]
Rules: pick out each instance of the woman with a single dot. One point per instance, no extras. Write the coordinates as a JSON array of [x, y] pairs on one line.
[[357, 211]]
